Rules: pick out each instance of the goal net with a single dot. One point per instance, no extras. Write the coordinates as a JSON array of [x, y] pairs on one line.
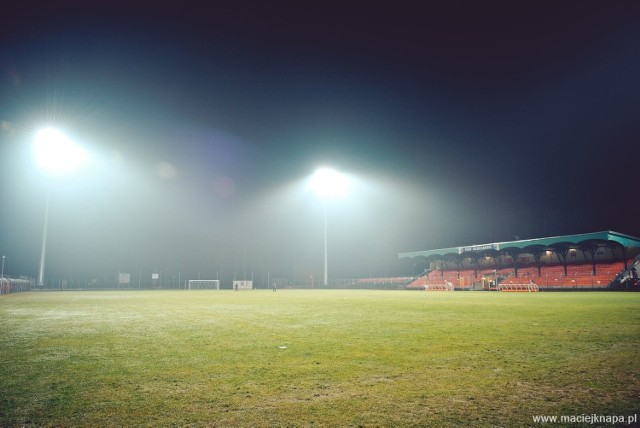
[[204, 284], [447, 286], [524, 287]]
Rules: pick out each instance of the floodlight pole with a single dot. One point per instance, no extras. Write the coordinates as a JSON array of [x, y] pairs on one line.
[[43, 249], [2, 274], [326, 259], [56, 154], [327, 183]]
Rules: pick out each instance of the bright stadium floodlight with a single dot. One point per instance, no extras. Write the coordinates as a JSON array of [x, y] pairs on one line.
[[56, 155], [328, 183]]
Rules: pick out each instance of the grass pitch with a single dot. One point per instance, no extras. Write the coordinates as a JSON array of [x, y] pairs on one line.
[[315, 358]]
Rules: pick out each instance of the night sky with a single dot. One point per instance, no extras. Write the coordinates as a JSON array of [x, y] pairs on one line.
[[460, 122]]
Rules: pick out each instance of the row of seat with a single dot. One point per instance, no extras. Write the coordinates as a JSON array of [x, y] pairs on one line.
[[547, 276]]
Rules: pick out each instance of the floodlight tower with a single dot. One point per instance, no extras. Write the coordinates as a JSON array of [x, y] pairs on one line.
[[56, 155], [328, 184]]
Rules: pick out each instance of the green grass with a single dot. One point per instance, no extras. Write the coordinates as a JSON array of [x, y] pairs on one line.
[[352, 358]]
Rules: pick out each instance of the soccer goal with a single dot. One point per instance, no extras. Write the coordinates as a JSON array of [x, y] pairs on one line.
[[447, 286], [530, 287], [204, 284]]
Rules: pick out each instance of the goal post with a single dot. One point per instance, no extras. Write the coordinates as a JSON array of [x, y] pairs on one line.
[[447, 286], [528, 287], [204, 284]]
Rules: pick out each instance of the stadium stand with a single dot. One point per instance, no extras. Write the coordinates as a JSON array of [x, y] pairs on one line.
[[598, 260]]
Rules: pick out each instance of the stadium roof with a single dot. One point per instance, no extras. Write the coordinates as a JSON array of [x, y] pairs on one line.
[[606, 238]]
